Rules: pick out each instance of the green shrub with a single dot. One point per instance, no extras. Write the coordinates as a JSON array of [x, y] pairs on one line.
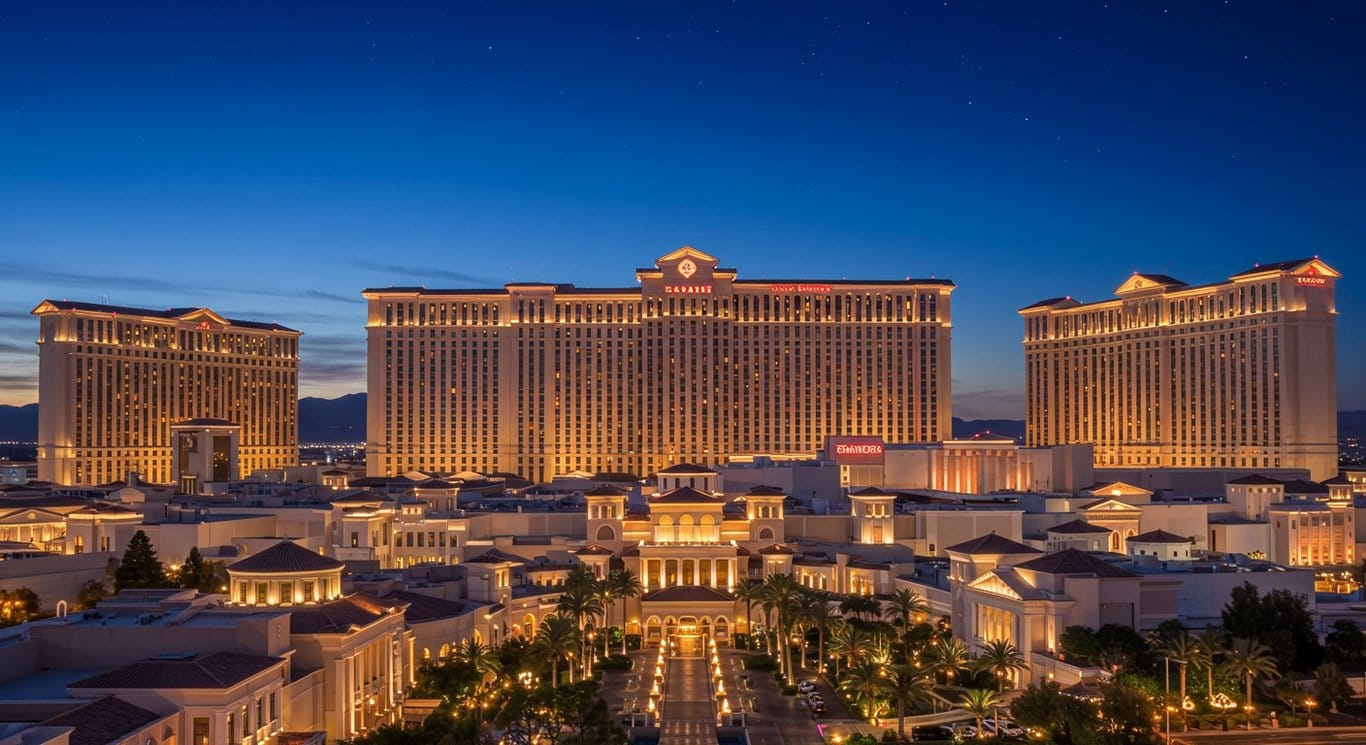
[[633, 641], [615, 662], [760, 662]]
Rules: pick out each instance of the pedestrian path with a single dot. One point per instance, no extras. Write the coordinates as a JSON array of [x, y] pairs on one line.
[[687, 714]]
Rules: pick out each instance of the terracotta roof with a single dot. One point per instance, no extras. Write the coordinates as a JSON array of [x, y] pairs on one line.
[[285, 557], [363, 497], [682, 468], [684, 495], [424, 607], [220, 670], [437, 484], [103, 721], [1161, 279], [104, 509], [992, 543], [1077, 526], [1300, 486], [1256, 479], [169, 313], [764, 490], [872, 491], [776, 548], [336, 472], [1338, 480], [495, 556], [1159, 536], [1050, 302], [631, 551], [606, 490], [1279, 266], [594, 550], [686, 594], [338, 616], [1072, 561]]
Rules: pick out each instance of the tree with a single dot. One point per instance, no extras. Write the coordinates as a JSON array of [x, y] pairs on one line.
[[1044, 707], [979, 702], [140, 567], [625, 584], [1251, 659], [198, 574], [91, 593], [480, 657], [1211, 642], [579, 601], [1186, 651], [1346, 643], [1002, 659], [905, 687], [866, 684], [1078, 643], [18, 605], [749, 592], [846, 643], [556, 640], [1128, 715], [783, 590], [1119, 646], [816, 613], [949, 657], [1290, 693], [1331, 686], [1280, 620], [906, 608]]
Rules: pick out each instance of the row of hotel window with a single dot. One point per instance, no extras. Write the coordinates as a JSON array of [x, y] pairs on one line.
[[266, 719], [409, 539], [163, 337], [308, 592], [1259, 298], [764, 307]]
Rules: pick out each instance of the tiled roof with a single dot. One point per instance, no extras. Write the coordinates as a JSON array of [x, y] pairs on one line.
[[220, 670], [872, 491], [1300, 486], [686, 594], [1072, 561], [1256, 479], [495, 556], [606, 490], [424, 607], [363, 497], [684, 495], [685, 468], [1077, 526], [594, 550], [169, 313], [437, 484], [1338, 480], [993, 543], [776, 548], [1049, 302], [1158, 536], [1279, 266], [286, 557], [103, 721], [1162, 279], [764, 490], [338, 616]]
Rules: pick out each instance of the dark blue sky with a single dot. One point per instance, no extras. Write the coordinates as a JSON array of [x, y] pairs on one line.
[[269, 162]]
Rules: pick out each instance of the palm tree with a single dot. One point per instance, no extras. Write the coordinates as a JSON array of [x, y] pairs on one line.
[[557, 639], [817, 615], [625, 584], [906, 608], [1186, 650], [749, 591], [907, 686], [1249, 658], [949, 657], [604, 594], [866, 683], [783, 590], [860, 605], [580, 601], [1002, 659], [979, 702], [481, 657], [1211, 642], [846, 641]]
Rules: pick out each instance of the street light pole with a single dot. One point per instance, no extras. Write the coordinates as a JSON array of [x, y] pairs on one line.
[[1167, 699]]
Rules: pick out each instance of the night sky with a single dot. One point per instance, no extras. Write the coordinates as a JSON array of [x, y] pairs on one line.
[[270, 162]]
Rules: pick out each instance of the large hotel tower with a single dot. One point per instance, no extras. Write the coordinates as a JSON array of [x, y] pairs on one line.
[[113, 380], [1238, 374], [690, 366]]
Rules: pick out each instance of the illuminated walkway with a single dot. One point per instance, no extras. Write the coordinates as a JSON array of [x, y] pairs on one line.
[[687, 714]]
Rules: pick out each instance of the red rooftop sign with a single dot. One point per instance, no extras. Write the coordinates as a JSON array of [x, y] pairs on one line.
[[855, 450]]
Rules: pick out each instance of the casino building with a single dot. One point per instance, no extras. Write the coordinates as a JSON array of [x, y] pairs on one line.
[[692, 365], [1236, 374], [113, 381]]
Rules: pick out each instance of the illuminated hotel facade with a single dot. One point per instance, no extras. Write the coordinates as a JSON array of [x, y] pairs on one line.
[[1237, 374], [113, 380], [691, 366]]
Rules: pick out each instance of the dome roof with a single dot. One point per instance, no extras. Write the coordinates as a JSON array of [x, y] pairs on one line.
[[286, 557]]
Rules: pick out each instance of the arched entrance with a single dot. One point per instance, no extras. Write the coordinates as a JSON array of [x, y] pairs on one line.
[[689, 637]]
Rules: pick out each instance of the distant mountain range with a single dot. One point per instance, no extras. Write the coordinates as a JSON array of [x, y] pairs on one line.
[[329, 420]]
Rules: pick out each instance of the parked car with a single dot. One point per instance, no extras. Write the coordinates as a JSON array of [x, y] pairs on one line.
[[1003, 727], [817, 707], [931, 732], [806, 686], [965, 730]]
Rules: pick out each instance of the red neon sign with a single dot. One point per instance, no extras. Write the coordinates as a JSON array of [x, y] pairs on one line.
[[799, 288], [687, 289]]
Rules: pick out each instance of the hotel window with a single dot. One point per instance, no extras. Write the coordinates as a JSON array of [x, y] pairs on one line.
[[262, 591], [308, 591], [232, 726]]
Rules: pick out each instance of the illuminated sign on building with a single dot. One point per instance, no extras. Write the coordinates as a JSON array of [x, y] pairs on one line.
[[687, 289], [687, 268], [855, 451], [1311, 281], [799, 288]]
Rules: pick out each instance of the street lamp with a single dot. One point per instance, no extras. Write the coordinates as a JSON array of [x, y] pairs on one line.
[[1248, 708], [1309, 704]]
